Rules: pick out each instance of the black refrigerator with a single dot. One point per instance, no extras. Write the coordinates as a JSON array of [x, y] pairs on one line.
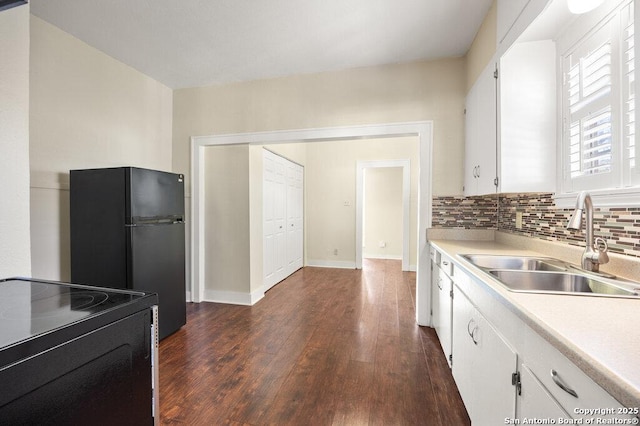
[[127, 231]]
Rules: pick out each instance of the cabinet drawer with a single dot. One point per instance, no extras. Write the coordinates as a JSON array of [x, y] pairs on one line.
[[434, 255], [444, 282], [446, 265], [572, 388]]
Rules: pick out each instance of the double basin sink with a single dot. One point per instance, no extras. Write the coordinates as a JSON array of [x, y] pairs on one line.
[[547, 275]]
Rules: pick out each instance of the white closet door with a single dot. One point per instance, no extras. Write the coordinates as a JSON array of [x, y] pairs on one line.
[[295, 183], [274, 211], [283, 218]]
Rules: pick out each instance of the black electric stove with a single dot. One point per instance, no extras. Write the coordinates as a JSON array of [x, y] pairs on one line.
[[68, 351]]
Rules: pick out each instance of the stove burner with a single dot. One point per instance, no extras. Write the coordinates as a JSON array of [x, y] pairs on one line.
[[60, 304]]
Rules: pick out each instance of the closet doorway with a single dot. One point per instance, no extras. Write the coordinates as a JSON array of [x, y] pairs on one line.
[[283, 217]]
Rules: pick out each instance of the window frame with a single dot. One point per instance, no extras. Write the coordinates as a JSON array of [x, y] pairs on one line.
[[626, 183]]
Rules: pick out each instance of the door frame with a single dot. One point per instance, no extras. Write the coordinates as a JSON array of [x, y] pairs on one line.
[[405, 165], [422, 129]]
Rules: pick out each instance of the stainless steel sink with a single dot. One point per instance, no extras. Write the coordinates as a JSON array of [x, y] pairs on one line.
[[519, 263], [538, 274], [557, 282]]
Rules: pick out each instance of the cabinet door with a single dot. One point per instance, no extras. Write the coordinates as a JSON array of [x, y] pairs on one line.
[[535, 401], [464, 349], [444, 313], [435, 295], [470, 120], [496, 363], [480, 135], [482, 365], [527, 112], [570, 387], [487, 131]]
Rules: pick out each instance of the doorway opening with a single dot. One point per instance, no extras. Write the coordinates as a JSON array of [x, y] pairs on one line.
[[253, 290], [362, 168]]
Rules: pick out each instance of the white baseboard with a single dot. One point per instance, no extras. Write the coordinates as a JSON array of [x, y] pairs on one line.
[[250, 299], [344, 264], [233, 297], [412, 268], [382, 256], [341, 264]]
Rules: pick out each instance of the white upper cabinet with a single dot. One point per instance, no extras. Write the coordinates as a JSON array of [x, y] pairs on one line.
[[511, 125], [527, 118], [480, 135]]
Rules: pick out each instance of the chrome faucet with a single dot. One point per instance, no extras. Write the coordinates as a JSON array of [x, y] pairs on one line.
[[593, 256]]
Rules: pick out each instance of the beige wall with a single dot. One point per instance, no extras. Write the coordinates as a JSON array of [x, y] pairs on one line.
[[421, 91], [15, 257], [330, 209], [483, 47], [383, 213], [87, 110], [226, 218]]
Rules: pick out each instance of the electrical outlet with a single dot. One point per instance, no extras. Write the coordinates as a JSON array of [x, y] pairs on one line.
[[518, 220]]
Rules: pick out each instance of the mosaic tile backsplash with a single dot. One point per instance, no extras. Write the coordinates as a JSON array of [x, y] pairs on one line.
[[620, 227]]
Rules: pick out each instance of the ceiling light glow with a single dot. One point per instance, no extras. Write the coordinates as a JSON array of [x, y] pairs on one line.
[[583, 6]]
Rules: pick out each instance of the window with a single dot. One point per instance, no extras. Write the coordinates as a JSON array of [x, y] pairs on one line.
[[597, 63]]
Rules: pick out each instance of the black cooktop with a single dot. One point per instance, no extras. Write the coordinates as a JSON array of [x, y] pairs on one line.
[[31, 309]]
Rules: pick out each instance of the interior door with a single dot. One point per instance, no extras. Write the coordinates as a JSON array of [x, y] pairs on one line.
[[274, 219], [295, 184]]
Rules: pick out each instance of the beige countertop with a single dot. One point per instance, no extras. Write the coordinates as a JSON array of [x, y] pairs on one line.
[[601, 335]]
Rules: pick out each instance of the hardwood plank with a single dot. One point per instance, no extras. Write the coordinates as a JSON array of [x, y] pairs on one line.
[[325, 346]]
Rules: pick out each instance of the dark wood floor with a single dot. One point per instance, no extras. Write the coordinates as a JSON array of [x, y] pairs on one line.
[[324, 347]]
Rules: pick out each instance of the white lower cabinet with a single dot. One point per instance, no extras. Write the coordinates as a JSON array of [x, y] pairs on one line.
[[443, 324], [507, 373], [568, 386], [534, 401], [483, 365], [441, 291]]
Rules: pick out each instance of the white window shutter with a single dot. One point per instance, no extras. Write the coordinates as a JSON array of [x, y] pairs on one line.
[[630, 161], [588, 98]]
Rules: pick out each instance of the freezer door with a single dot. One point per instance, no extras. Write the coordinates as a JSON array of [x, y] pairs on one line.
[[155, 194], [157, 264]]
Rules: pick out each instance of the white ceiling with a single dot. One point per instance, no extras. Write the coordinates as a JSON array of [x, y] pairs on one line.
[[190, 43]]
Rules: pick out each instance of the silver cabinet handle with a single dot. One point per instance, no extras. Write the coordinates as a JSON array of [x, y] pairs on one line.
[[472, 332], [440, 283], [558, 381]]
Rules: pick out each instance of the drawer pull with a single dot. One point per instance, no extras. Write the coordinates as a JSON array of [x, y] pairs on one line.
[[472, 332], [558, 381]]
